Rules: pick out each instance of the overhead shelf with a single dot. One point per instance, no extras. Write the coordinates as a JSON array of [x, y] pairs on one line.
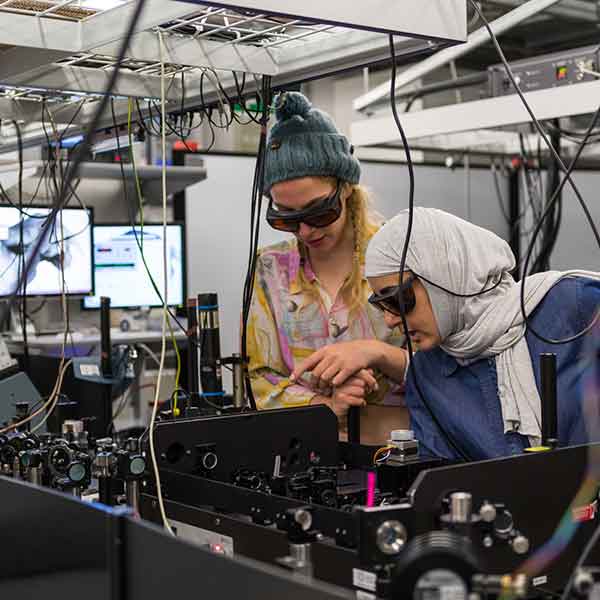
[[57, 53], [52, 41], [479, 125], [100, 182], [249, 36]]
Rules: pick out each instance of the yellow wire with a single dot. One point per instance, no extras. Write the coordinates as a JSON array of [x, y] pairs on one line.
[[138, 188], [382, 450], [176, 410]]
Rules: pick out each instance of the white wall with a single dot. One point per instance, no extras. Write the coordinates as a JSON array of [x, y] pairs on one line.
[[576, 245], [218, 218], [218, 238]]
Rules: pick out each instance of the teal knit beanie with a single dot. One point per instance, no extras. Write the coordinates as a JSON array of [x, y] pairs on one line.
[[305, 142]]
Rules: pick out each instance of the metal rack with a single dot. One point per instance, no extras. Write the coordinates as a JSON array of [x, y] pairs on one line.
[[65, 49]]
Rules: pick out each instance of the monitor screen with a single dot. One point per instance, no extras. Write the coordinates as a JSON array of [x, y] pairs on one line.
[[72, 227], [119, 269]]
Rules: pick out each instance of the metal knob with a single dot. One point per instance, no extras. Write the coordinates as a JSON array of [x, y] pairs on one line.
[[583, 582], [303, 518], [487, 512], [460, 507], [520, 544]]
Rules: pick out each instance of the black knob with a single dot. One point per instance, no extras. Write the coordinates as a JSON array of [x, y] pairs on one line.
[[59, 458], [7, 454]]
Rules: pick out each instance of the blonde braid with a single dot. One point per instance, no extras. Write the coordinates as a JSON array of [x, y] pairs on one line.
[[364, 226], [364, 223]]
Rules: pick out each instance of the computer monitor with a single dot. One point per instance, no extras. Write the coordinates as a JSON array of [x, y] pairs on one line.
[[119, 269], [72, 225]]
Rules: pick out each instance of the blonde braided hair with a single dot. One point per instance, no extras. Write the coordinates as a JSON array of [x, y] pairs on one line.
[[364, 222]]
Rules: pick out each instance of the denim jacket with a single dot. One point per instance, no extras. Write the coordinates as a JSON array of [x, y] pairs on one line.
[[465, 401]]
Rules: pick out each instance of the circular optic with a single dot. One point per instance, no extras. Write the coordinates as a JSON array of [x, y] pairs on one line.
[[137, 465], [76, 472], [391, 537]]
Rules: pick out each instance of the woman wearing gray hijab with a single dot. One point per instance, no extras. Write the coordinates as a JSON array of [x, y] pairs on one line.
[[478, 363]]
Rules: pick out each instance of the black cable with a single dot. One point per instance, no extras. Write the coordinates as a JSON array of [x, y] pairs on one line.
[[51, 162], [538, 125], [549, 207], [22, 211], [240, 92], [81, 149], [21, 263], [227, 100], [38, 308], [255, 218], [555, 195], [442, 86], [578, 135], [411, 207], [456, 294]]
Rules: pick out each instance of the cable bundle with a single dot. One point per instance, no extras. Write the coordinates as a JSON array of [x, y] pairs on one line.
[[255, 217]]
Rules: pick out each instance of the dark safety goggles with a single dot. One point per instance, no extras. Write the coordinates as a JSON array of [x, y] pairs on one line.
[[321, 214], [396, 299]]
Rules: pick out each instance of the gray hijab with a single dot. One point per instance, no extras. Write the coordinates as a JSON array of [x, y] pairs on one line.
[[466, 259]]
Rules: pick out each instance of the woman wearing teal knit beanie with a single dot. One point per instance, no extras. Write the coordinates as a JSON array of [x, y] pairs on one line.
[[310, 292]]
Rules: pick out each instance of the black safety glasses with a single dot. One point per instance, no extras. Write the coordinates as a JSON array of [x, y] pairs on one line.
[[321, 214], [396, 299]]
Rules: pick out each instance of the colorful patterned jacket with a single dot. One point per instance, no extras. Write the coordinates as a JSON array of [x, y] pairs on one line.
[[286, 325]]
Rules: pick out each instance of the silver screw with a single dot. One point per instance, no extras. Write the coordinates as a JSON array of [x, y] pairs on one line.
[[488, 542], [303, 518], [391, 537]]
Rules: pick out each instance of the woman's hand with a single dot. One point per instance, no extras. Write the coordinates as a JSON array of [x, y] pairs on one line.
[[351, 393], [335, 364]]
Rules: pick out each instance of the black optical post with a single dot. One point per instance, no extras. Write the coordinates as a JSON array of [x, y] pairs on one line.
[[106, 358], [105, 345], [354, 425], [193, 375], [549, 401], [210, 348]]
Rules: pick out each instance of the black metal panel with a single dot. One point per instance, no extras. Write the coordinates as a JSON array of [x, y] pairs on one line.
[[332, 564], [301, 437], [55, 542], [161, 567], [536, 488]]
